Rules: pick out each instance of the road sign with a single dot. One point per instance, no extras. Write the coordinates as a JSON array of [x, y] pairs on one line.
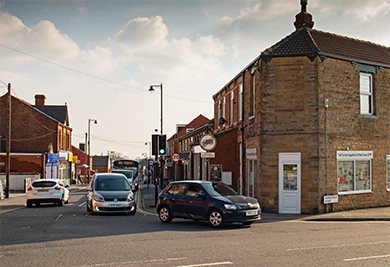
[[331, 199], [175, 157]]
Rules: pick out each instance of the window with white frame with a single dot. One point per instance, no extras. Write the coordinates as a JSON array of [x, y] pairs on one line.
[[366, 94], [354, 171], [231, 106], [240, 93], [219, 112], [388, 171]]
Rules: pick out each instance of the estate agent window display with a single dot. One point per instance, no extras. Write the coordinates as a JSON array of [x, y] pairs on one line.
[[354, 171]]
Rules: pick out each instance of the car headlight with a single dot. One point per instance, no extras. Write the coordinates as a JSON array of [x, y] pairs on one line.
[[130, 197], [98, 198], [231, 207]]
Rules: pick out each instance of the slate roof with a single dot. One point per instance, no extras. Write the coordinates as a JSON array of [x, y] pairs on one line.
[[313, 43], [59, 113]]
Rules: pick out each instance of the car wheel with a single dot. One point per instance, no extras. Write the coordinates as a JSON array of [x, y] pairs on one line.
[[61, 202], [67, 201], [164, 214], [215, 218], [133, 212], [88, 208], [29, 204]]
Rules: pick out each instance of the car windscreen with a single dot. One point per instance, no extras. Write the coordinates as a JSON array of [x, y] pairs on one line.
[[44, 184], [219, 189], [112, 184]]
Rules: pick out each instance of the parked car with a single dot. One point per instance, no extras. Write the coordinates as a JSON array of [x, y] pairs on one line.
[[47, 191], [215, 202], [110, 192]]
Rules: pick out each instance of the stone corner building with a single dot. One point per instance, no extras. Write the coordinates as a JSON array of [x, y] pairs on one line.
[[317, 122]]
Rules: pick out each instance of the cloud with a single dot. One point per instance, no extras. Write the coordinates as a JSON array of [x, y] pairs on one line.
[[45, 41], [146, 41]]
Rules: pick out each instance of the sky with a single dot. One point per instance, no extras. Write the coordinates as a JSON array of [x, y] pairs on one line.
[[101, 56]]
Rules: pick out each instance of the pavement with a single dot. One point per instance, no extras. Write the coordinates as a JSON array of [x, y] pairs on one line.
[[145, 198]]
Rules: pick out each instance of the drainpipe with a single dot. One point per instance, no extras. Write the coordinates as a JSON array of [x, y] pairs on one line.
[[243, 152]]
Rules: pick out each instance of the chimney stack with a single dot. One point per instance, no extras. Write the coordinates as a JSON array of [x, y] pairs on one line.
[[40, 100], [303, 19]]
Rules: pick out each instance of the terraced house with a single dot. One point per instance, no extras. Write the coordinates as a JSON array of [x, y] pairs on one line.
[[316, 122]]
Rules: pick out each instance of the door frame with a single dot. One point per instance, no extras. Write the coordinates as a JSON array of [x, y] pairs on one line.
[[290, 200]]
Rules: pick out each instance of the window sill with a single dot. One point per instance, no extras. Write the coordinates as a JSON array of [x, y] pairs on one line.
[[354, 192], [252, 117], [368, 116]]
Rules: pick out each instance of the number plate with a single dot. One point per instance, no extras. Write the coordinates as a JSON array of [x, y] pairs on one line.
[[115, 205], [251, 212], [43, 190]]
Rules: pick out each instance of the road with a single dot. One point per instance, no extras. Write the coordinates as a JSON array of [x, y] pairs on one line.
[[69, 236]]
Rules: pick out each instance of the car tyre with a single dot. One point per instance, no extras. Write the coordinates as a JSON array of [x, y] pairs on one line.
[[133, 212], [61, 202], [215, 218], [29, 204], [88, 208], [67, 201], [164, 214]]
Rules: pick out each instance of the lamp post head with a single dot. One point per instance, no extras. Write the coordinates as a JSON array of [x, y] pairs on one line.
[[151, 89], [95, 122]]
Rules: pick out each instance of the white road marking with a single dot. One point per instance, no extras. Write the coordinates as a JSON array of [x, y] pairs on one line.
[[131, 262], [367, 258], [337, 246], [59, 216], [82, 204], [207, 264]]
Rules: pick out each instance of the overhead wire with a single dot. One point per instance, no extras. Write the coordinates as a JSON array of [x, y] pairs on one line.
[[97, 77]]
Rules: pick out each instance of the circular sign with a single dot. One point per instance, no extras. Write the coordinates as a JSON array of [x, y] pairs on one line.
[[175, 157], [208, 142]]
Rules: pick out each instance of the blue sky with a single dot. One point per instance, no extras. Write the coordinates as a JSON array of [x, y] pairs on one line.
[[100, 57]]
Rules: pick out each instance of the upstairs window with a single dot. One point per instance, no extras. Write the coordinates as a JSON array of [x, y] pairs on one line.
[[366, 94], [240, 94]]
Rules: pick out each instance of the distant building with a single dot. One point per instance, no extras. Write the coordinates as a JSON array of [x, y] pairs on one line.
[[40, 137]]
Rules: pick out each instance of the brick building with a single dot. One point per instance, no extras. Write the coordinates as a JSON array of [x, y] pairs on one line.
[[316, 123], [40, 137], [183, 142]]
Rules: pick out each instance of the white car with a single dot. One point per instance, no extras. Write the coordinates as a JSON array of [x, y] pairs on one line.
[[47, 191]]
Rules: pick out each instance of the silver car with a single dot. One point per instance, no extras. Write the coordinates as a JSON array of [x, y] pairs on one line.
[[109, 193]]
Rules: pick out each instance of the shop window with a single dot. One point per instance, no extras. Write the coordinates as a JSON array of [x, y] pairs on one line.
[[354, 172]]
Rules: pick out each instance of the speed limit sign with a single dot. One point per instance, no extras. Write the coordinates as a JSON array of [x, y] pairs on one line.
[[175, 157]]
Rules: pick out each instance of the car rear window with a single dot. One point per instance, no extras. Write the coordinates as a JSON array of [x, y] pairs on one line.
[[44, 184]]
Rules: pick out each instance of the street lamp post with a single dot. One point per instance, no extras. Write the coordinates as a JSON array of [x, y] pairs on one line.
[[89, 146], [151, 89]]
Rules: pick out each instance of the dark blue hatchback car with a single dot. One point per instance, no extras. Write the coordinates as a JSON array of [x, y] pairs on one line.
[[215, 202]]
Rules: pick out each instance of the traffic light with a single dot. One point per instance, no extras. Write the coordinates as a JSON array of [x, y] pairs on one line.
[[162, 144], [155, 144]]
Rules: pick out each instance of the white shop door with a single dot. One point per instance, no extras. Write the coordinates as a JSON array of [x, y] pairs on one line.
[[290, 183]]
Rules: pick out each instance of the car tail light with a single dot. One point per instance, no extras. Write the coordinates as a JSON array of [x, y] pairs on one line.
[[57, 187], [30, 188]]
